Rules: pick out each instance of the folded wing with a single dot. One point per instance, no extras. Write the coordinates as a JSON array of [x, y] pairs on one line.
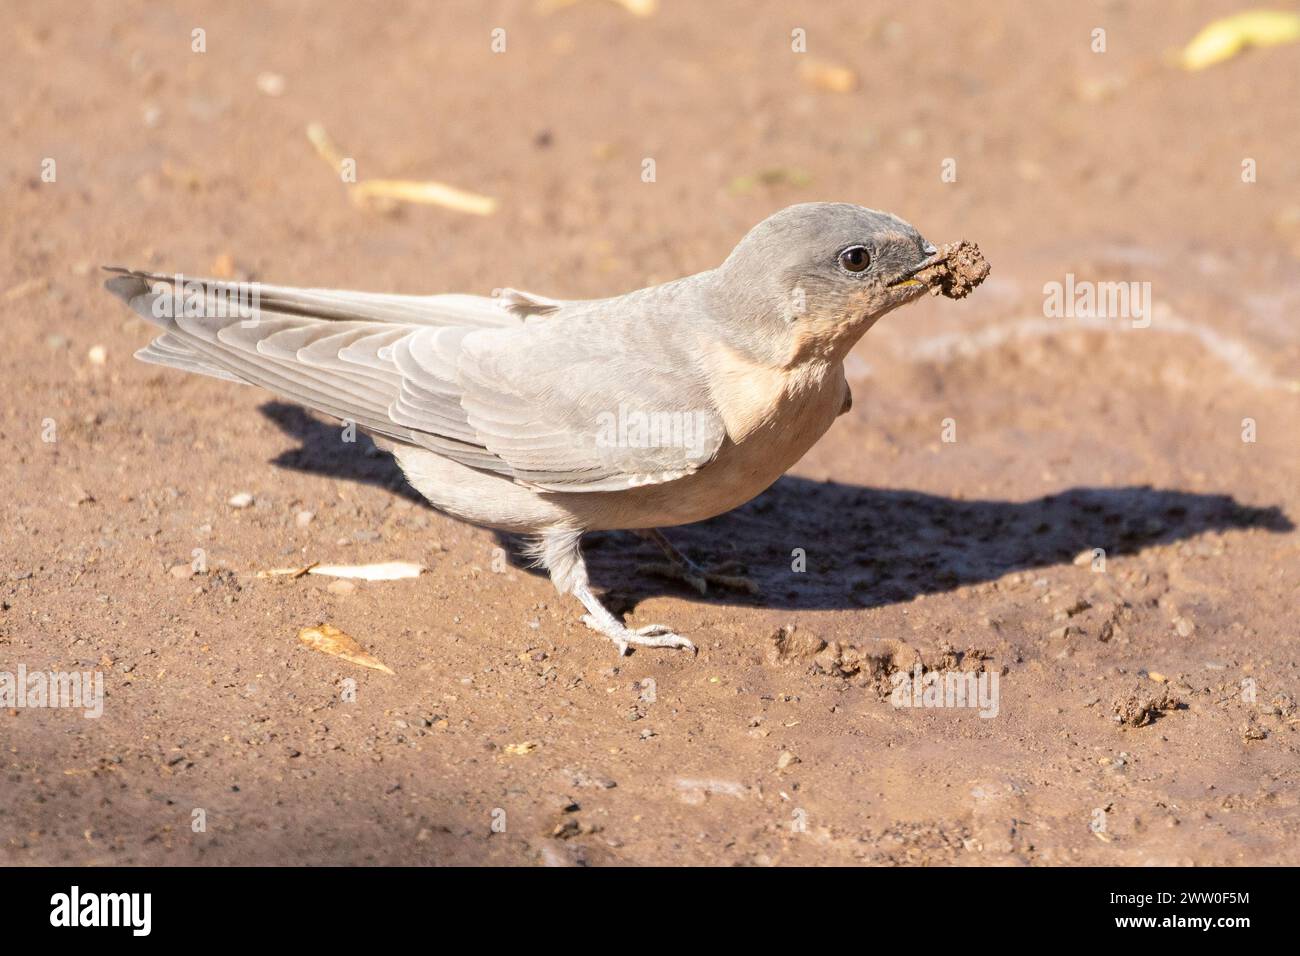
[[518, 388]]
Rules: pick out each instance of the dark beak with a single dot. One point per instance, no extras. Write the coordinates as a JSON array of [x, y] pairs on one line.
[[905, 276]]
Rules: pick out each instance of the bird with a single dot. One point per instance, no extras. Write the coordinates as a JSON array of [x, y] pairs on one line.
[[551, 418]]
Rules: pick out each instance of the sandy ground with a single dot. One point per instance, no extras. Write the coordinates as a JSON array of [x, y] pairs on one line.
[[511, 734]]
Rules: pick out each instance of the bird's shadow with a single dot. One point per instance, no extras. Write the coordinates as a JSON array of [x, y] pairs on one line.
[[828, 545]]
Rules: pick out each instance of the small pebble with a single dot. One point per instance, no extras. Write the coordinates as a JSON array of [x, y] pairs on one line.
[[241, 500]]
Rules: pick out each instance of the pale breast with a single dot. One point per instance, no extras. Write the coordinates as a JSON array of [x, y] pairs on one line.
[[772, 416]]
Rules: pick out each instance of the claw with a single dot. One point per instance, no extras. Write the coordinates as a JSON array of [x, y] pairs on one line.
[[698, 581], [652, 635], [599, 619], [700, 578], [736, 582], [682, 568]]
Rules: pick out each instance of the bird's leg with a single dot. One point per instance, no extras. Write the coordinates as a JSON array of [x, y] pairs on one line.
[[682, 568], [560, 553]]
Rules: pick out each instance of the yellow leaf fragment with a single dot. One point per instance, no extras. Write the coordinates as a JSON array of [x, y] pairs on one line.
[[29, 287], [384, 193], [1225, 38], [328, 639], [427, 192], [325, 147], [829, 76], [638, 8]]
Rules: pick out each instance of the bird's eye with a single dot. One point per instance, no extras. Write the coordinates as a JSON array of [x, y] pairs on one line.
[[855, 258]]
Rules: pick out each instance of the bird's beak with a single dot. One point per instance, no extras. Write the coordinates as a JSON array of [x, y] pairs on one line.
[[906, 278]]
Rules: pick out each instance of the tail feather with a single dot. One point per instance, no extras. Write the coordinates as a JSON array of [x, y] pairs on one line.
[[169, 351], [334, 304]]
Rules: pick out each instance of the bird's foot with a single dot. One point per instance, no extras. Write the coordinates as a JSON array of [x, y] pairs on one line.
[[681, 568], [598, 618], [700, 578], [624, 637]]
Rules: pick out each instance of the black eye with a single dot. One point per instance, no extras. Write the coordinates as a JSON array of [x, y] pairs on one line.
[[855, 258]]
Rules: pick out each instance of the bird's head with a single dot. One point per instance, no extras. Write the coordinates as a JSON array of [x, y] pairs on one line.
[[812, 278]]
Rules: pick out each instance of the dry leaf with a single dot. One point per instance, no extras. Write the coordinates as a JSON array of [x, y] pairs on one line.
[[518, 750], [638, 8], [384, 192], [384, 571], [387, 571], [27, 288], [1223, 39], [328, 639], [829, 77], [427, 192], [325, 147]]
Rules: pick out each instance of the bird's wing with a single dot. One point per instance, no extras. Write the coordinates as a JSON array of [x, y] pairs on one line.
[[587, 403], [558, 404]]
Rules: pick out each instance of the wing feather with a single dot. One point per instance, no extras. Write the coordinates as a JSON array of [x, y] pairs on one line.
[[542, 392]]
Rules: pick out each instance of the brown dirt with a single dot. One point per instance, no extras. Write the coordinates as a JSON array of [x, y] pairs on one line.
[[1144, 705], [961, 268], [989, 450]]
